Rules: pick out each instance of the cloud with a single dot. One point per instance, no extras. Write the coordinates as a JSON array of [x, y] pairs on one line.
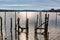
[[9, 8], [15, 5], [45, 3], [49, 3]]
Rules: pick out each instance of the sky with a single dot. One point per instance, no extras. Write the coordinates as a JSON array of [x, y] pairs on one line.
[[29, 4]]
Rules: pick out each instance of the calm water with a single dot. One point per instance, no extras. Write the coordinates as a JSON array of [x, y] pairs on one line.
[[54, 28]]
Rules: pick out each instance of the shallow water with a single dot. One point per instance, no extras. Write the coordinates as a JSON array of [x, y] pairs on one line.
[[53, 27]]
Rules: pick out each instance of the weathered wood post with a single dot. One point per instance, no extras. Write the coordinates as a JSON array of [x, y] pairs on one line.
[[5, 27], [18, 28], [11, 30], [46, 27], [40, 22], [1, 28], [15, 28], [27, 29], [36, 29]]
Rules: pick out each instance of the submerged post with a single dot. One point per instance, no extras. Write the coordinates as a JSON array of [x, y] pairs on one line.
[[27, 29], [18, 28], [1, 28], [36, 38], [40, 22], [5, 27], [46, 27], [56, 19], [11, 30], [15, 28]]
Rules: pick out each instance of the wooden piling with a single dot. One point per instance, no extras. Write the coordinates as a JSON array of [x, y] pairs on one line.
[[11, 30], [46, 27], [27, 28], [18, 28], [15, 28], [1, 28], [36, 29]]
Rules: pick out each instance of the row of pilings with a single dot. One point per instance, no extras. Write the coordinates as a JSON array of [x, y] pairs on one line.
[[21, 29]]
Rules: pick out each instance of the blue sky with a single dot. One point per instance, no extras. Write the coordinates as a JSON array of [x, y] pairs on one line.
[[29, 4]]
